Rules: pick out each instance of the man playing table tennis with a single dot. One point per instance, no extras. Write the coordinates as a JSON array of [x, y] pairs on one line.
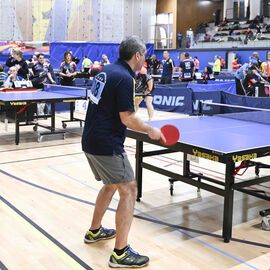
[[110, 112]]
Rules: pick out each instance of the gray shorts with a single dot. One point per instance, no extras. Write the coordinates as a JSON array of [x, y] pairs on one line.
[[113, 169]]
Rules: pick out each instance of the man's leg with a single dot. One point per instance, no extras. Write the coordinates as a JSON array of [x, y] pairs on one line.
[[138, 101], [124, 213], [102, 202], [149, 106]]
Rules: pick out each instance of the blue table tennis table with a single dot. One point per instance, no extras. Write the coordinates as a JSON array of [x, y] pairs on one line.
[[23, 101], [224, 140]]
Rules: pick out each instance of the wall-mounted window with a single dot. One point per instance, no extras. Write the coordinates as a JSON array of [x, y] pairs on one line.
[[164, 31]]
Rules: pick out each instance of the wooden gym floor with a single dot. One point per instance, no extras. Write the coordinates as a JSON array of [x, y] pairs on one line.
[[47, 196]]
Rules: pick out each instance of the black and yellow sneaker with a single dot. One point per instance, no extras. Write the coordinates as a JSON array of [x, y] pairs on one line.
[[129, 259], [102, 234]]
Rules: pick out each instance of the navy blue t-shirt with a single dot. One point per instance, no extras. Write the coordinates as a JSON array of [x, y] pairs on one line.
[[167, 68], [112, 92], [187, 67]]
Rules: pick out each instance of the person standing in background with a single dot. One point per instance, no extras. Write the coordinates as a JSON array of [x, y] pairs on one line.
[[86, 64], [179, 39], [186, 69], [168, 69], [68, 70], [216, 65], [197, 64], [145, 85], [149, 64], [235, 64], [155, 64]]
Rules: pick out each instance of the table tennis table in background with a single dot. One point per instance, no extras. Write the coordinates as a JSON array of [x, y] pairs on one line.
[[216, 138], [23, 102]]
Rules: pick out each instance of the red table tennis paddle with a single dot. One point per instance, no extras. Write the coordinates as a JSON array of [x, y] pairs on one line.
[[171, 134]]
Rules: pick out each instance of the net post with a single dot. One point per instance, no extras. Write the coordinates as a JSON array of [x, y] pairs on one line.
[[200, 107]]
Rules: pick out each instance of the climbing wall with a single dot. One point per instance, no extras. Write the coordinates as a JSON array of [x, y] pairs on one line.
[[76, 20]]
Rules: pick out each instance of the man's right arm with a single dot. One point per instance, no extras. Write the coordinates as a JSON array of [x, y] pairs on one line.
[[130, 120]]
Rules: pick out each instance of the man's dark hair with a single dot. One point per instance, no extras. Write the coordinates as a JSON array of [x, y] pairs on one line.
[[196, 57], [186, 55], [1, 68], [130, 46], [40, 54]]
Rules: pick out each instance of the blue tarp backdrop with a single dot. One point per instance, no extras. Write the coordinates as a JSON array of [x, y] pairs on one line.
[[224, 86], [185, 100], [173, 99], [93, 50]]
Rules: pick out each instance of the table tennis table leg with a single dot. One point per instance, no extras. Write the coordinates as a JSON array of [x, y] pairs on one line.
[[186, 166], [138, 176], [52, 117], [228, 203], [71, 111], [17, 129]]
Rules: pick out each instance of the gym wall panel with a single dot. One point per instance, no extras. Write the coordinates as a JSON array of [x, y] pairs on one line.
[[24, 18], [9, 28], [42, 14]]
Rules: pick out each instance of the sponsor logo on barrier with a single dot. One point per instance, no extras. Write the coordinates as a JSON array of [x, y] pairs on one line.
[[224, 80], [244, 157], [17, 103], [205, 107], [205, 155], [169, 100]]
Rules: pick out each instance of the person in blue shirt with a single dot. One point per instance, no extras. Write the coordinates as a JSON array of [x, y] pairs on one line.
[[11, 78], [186, 70], [168, 69], [110, 111], [240, 75]]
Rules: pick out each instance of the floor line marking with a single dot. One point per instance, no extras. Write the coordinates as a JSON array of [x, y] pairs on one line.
[[136, 216], [64, 253], [173, 227]]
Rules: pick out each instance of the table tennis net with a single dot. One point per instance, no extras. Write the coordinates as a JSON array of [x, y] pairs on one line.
[[237, 112], [60, 89]]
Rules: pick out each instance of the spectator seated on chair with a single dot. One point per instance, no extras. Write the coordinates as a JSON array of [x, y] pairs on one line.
[[252, 80], [12, 77], [207, 74]]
